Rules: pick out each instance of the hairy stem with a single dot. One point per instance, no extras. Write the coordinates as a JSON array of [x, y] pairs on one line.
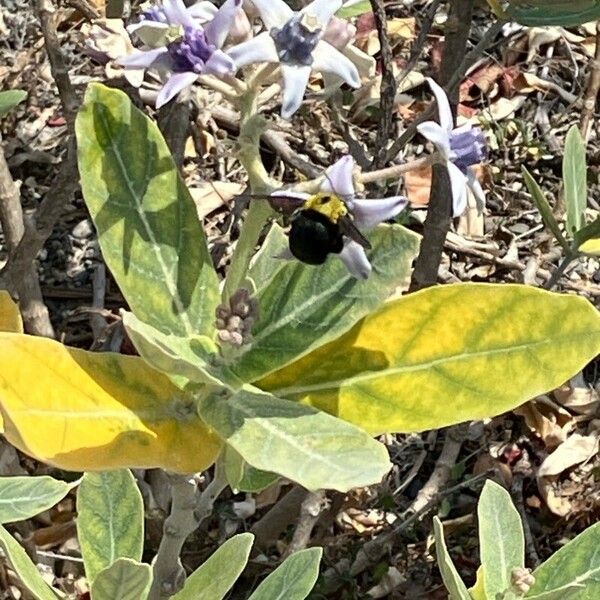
[[188, 510]]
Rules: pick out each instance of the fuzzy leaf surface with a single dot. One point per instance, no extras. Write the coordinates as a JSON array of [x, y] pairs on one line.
[[110, 519], [124, 579], [148, 227], [305, 445], [457, 590], [445, 355], [575, 180]]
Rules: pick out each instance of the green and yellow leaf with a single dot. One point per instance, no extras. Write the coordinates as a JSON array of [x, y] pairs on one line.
[[446, 355], [10, 317], [86, 411], [148, 226]]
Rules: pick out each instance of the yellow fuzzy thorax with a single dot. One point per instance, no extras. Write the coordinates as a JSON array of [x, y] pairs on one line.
[[327, 204]]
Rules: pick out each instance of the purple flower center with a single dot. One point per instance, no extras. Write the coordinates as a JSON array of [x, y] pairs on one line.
[[469, 146], [191, 52], [295, 42]]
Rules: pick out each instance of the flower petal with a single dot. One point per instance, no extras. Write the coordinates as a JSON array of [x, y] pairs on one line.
[[174, 85], [339, 181], [443, 104], [354, 257], [287, 202], [218, 29], [458, 183], [323, 10], [369, 213], [295, 80], [436, 134], [219, 64], [146, 23], [330, 60], [177, 13], [274, 13], [476, 188], [258, 49], [203, 11], [142, 59]]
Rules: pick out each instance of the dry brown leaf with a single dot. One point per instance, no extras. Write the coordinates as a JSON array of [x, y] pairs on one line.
[[418, 186], [580, 399], [575, 450], [388, 583], [209, 196], [551, 425], [557, 505]]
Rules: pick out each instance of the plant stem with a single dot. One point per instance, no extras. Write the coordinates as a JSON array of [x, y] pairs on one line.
[[562, 267], [251, 128], [188, 510]]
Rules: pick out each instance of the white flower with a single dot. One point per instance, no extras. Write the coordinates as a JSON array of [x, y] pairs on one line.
[[336, 199], [295, 39], [460, 149]]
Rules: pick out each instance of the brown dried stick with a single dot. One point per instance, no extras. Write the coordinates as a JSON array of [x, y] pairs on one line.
[[36, 319], [388, 86], [437, 222], [591, 94]]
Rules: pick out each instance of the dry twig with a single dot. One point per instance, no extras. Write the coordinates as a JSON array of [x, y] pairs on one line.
[[591, 94]]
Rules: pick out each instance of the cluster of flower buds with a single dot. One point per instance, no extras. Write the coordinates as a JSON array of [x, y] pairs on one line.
[[235, 320]]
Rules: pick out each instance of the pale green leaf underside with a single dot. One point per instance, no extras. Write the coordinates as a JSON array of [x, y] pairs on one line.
[[9, 99], [457, 590], [110, 522], [148, 227], [298, 442], [303, 307], [501, 540], [535, 13], [24, 568], [125, 579], [23, 497], [574, 570], [293, 579], [575, 180], [215, 577]]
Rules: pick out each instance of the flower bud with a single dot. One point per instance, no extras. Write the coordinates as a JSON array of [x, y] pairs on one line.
[[339, 33]]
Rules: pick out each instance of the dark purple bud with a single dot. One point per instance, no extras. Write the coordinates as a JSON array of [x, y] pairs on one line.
[[469, 146]]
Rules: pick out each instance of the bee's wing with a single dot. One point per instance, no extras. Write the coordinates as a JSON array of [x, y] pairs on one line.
[[350, 230], [281, 202]]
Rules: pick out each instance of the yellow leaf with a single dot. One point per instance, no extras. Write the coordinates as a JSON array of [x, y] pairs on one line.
[[445, 355], [10, 317], [591, 247], [86, 411]]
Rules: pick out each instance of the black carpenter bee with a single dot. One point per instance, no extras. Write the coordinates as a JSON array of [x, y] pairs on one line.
[[318, 225]]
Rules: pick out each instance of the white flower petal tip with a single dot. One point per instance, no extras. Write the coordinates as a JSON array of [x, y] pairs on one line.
[[443, 105], [354, 257], [458, 184], [141, 59], [274, 13], [175, 84], [369, 213], [295, 80], [328, 59], [437, 135], [218, 28], [219, 64], [323, 10], [339, 180]]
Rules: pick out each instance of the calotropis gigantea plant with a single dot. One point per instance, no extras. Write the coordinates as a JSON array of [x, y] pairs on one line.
[[284, 369]]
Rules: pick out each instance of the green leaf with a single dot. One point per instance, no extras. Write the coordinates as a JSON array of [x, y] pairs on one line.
[[244, 477], [23, 497], [10, 99], [303, 307], [534, 13], [457, 590], [293, 579], [574, 569], [544, 208], [125, 579], [298, 442], [216, 576], [501, 540], [354, 8], [110, 521], [24, 568], [444, 355], [148, 227], [575, 179], [194, 358]]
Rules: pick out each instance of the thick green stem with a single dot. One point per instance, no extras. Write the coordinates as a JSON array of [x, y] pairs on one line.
[[251, 127]]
